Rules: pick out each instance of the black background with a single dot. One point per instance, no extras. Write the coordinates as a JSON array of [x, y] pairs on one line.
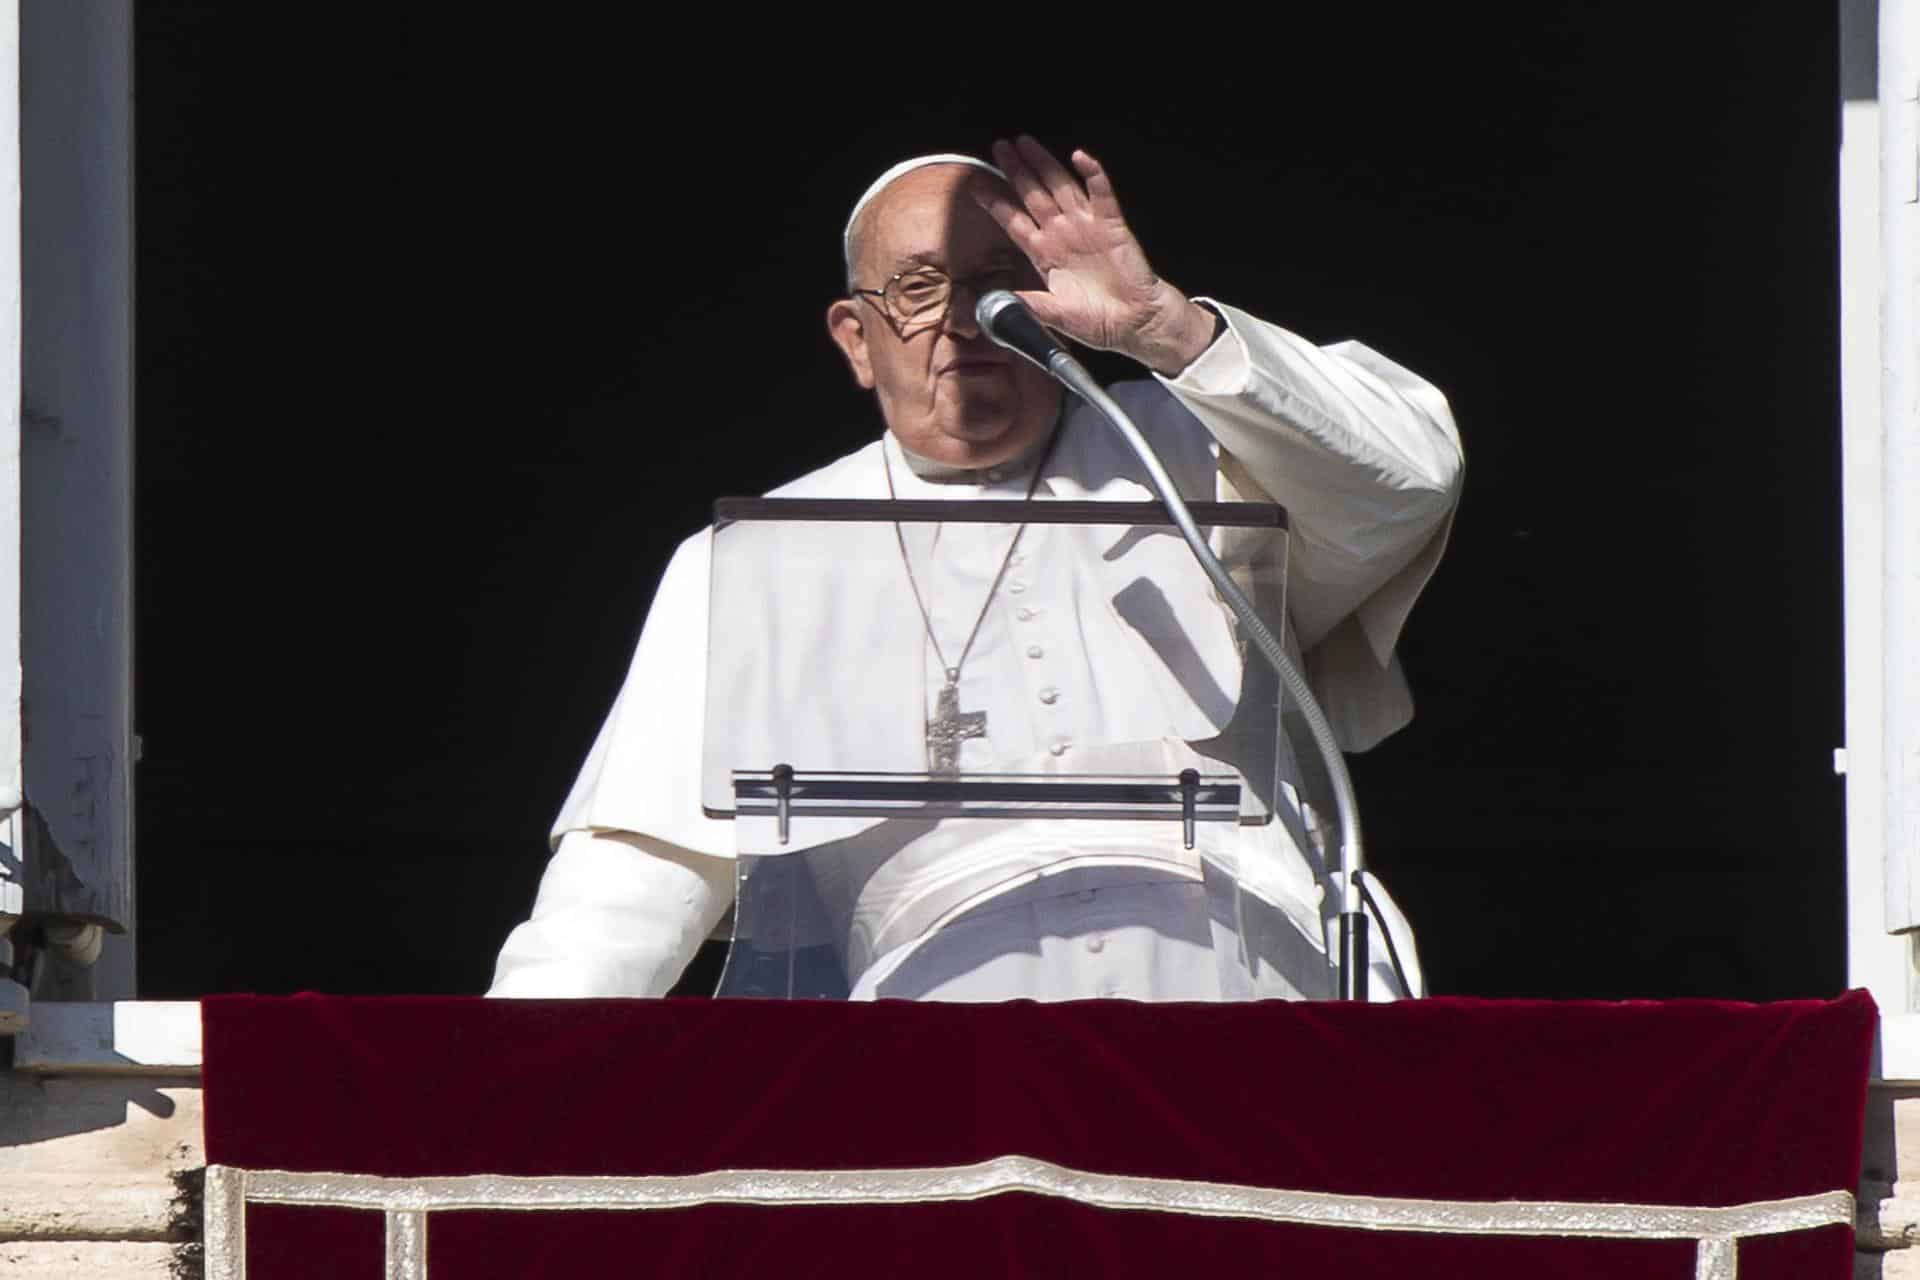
[[450, 328]]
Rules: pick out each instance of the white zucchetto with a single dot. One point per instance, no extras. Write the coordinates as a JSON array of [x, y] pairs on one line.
[[886, 179]]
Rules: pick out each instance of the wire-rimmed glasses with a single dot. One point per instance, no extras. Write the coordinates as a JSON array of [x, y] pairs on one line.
[[919, 297]]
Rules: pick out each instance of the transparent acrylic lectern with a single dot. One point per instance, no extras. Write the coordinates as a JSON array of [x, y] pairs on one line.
[[939, 728]]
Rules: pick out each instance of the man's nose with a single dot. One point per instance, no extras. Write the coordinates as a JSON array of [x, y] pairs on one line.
[[961, 322]]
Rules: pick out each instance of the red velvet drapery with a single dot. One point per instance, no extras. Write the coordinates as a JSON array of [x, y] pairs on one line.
[[1682, 1103]]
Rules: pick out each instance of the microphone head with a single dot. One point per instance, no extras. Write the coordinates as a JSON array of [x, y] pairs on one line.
[[986, 312], [1006, 320]]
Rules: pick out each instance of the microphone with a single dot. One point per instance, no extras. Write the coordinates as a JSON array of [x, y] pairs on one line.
[[1006, 320]]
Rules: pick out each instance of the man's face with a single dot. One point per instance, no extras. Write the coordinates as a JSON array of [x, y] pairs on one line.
[[947, 392]]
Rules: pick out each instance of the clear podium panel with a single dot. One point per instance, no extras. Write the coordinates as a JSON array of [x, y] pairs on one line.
[[967, 638], [946, 729]]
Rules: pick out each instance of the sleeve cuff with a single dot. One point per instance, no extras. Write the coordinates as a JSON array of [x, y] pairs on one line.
[[1223, 368]]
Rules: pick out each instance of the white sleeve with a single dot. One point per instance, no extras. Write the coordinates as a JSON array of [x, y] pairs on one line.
[[1364, 455], [1361, 452], [617, 914]]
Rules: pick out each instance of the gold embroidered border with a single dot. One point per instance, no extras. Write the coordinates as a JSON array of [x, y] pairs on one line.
[[407, 1201]]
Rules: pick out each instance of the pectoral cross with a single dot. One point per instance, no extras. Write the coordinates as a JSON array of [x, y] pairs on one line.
[[950, 727]]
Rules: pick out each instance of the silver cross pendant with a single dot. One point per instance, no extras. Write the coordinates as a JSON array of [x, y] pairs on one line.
[[950, 727]]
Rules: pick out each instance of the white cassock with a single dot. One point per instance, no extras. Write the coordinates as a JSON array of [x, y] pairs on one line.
[[1364, 457]]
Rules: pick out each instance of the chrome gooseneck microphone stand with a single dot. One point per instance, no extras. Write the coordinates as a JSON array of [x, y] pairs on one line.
[[1006, 320]]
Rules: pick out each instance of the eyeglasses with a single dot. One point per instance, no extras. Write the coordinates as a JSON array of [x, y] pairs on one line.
[[918, 299]]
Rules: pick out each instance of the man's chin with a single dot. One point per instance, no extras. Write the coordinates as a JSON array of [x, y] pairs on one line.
[[988, 444], [979, 435]]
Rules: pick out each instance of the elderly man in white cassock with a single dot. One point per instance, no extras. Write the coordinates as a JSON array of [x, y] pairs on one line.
[[1361, 453]]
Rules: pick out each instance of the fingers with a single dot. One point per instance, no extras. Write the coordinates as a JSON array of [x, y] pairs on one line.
[[1044, 187], [1099, 186], [1034, 195], [1061, 185], [1008, 212]]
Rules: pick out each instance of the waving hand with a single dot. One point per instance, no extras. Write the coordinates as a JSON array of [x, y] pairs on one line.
[[1100, 291]]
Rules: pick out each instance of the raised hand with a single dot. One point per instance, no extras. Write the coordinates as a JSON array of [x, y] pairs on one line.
[[1100, 291]]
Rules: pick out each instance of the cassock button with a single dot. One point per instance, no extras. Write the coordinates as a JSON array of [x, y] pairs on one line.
[[1024, 614], [1016, 586], [1035, 651], [1017, 559], [1060, 748], [1049, 695], [1096, 944]]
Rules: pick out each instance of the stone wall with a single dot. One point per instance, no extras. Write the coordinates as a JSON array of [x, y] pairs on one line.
[[1887, 1228], [100, 1144]]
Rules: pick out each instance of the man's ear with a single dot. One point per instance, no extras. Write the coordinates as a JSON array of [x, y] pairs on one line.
[[847, 327]]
